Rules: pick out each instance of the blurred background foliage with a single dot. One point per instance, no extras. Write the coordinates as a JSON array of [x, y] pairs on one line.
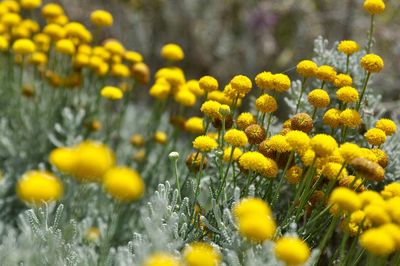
[[227, 37]]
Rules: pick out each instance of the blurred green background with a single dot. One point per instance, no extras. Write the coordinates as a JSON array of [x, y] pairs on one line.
[[227, 37]]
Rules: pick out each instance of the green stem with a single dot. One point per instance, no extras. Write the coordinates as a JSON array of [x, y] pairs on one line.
[[175, 169], [226, 174], [370, 34], [363, 90], [328, 235], [347, 63], [275, 197], [303, 82]]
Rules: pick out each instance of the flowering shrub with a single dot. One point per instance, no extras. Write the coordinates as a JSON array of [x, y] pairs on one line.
[[205, 175]]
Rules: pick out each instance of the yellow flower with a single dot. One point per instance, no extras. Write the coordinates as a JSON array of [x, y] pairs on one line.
[[332, 118], [375, 136], [185, 98], [394, 231], [376, 214], [161, 137], [374, 7], [38, 58], [307, 68], [65, 46], [172, 52], [160, 89], [280, 82], [211, 109], [377, 241], [194, 125], [323, 145], [266, 104], [3, 44], [257, 228], [252, 161], [255, 133], [38, 186], [372, 63], [292, 250], [236, 138], [55, 31], [294, 174], [244, 120], [52, 10], [114, 47], [235, 156], [264, 80], [194, 86], [349, 151], [298, 140], [250, 207], [123, 183], [382, 157], [30, 4], [347, 94], [342, 80], [350, 118], [278, 143], [208, 84], [120, 71], [23, 46], [319, 98], [370, 197], [101, 18], [331, 171], [112, 93], [204, 144], [391, 190], [241, 84], [133, 57], [63, 159], [326, 73], [345, 198], [387, 125], [161, 259], [348, 47], [201, 254], [11, 19], [137, 140]]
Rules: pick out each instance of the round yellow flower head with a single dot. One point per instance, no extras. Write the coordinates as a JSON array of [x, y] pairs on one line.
[[376, 214], [244, 120], [255, 133], [280, 82], [343, 80], [133, 57], [348, 47], [298, 140], [241, 84], [30, 4], [65, 46], [334, 171], [302, 122], [319, 98], [112, 93], [323, 144], [211, 109], [137, 140], [345, 199], [114, 47], [11, 5], [257, 228], [251, 207], [375, 136], [23, 46], [52, 10], [394, 231], [266, 104], [370, 197], [161, 259], [101, 18], [235, 156], [185, 98], [374, 7], [372, 63], [63, 159], [123, 184], [350, 118], [194, 86], [3, 44], [38, 186], [120, 71], [391, 190], [378, 242], [161, 89], [349, 151], [172, 52], [264, 80], [236, 138], [208, 84], [387, 125], [252, 161], [326, 73], [278, 143], [204, 144], [11, 19], [201, 254], [294, 174], [382, 157], [161, 137], [307, 68], [332, 118], [194, 125], [56, 32], [347, 94], [292, 250], [38, 58], [225, 110], [90, 161]]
